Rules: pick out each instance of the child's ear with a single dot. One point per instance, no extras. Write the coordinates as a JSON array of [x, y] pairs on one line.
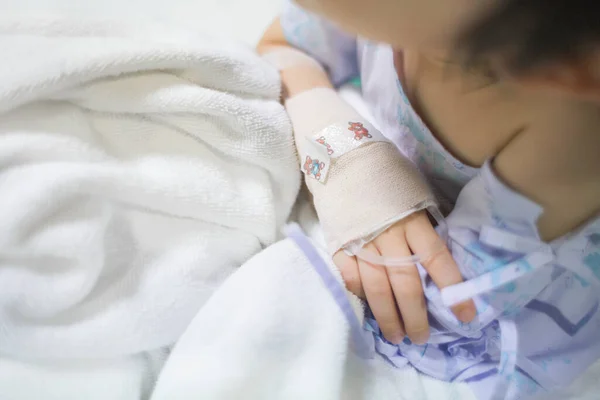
[[579, 79]]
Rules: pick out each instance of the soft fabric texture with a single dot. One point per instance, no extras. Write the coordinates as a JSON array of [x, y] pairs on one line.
[[122, 378], [360, 182], [272, 332], [139, 167]]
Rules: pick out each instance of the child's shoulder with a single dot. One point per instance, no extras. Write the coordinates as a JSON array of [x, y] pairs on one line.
[[555, 162]]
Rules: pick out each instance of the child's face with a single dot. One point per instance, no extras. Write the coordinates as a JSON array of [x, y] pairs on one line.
[[401, 23]]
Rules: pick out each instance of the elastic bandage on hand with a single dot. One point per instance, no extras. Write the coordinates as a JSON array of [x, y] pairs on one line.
[[360, 182]]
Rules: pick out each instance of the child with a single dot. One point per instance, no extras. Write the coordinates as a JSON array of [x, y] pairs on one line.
[[495, 104]]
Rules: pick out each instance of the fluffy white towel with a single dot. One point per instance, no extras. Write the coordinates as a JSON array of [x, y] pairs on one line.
[[139, 166]]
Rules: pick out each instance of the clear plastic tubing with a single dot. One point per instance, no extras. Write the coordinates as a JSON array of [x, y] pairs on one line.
[[372, 258]]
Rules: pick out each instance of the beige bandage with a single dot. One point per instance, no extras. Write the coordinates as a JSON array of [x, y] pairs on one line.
[[360, 182], [283, 57]]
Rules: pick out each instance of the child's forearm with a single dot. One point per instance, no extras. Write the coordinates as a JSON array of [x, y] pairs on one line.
[[295, 79], [360, 182], [303, 78]]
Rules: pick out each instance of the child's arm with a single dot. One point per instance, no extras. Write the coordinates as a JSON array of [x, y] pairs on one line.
[[296, 79], [376, 171]]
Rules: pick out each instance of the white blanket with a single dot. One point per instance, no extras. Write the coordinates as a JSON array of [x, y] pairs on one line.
[[139, 167], [273, 332]]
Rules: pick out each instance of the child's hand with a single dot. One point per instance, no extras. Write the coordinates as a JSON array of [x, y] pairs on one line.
[[395, 294]]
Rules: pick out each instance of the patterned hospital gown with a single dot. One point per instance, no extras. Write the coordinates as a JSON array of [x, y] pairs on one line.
[[538, 325]]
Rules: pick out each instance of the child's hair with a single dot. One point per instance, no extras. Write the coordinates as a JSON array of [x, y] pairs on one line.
[[526, 34]]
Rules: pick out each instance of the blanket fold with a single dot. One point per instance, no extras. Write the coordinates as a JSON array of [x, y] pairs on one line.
[[273, 332], [139, 167]]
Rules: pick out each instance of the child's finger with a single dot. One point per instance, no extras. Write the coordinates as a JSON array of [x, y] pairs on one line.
[[349, 269], [381, 298], [407, 288], [423, 239]]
